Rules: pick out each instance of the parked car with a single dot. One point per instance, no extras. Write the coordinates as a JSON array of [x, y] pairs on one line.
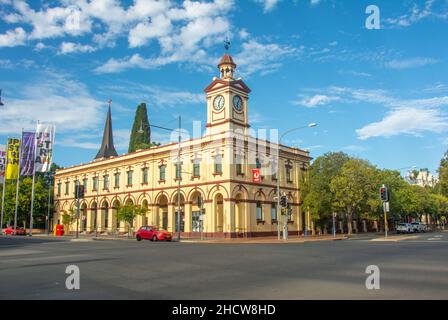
[[9, 231], [405, 228], [153, 234], [418, 227]]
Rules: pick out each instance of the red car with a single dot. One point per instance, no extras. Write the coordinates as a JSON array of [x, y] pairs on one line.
[[10, 231], [153, 234]]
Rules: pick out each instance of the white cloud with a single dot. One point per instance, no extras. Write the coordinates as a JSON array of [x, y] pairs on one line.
[[264, 58], [316, 100], [159, 26], [314, 2], [154, 95], [268, 5], [409, 63], [71, 47], [12, 38], [416, 14], [412, 121], [52, 98]]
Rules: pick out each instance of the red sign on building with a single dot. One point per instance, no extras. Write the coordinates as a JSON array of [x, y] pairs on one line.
[[256, 176]]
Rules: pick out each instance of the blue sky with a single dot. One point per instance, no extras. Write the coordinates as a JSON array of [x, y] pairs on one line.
[[380, 94]]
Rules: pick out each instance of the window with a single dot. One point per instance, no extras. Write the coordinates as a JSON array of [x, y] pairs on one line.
[[75, 184], [239, 164], [178, 171], [117, 180], [259, 210], [218, 164], [145, 175], [95, 183], [59, 189], [258, 163], [162, 170], [106, 182], [84, 183], [67, 187], [273, 211], [196, 168], [129, 173], [288, 173]]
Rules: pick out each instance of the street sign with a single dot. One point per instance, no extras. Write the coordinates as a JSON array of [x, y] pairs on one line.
[[256, 176]]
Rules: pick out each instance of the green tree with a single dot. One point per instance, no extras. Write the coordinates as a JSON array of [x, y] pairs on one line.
[[128, 213], [41, 192], [352, 187], [316, 194], [443, 175], [141, 131]]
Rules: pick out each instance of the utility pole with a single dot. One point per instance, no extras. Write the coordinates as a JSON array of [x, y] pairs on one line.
[[178, 182], [384, 195]]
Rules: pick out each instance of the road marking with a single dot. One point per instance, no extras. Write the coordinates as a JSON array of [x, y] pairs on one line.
[[18, 252]]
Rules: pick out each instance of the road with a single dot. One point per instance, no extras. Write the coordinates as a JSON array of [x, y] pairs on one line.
[[415, 268]]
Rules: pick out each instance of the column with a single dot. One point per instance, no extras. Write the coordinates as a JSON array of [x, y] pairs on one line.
[[187, 224], [171, 211], [90, 219], [229, 216]]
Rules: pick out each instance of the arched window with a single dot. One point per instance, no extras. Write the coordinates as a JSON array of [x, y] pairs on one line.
[[259, 210]]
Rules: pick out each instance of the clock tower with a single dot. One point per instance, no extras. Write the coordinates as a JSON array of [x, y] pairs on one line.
[[227, 100]]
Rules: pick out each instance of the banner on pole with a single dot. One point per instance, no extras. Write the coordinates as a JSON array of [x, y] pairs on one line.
[[13, 158], [2, 162], [44, 147], [27, 158]]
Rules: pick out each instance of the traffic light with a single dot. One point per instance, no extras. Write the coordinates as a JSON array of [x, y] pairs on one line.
[[384, 194], [284, 201]]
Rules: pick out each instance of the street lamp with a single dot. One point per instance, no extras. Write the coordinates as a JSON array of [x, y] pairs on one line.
[[285, 227], [177, 165]]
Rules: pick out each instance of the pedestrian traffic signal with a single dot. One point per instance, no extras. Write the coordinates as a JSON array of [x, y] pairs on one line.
[[284, 201], [384, 194]]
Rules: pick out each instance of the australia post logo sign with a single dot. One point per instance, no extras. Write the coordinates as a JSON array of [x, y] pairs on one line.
[[256, 176]]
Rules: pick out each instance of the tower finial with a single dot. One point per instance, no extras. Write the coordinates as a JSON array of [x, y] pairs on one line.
[[227, 44], [1, 102]]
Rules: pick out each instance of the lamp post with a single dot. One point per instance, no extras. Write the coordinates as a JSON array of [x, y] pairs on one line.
[[178, 165], [285, 227]]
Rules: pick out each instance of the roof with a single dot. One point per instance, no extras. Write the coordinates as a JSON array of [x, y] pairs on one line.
[[226, 59]]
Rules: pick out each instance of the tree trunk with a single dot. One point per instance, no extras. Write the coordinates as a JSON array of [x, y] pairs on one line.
[[349, 223]]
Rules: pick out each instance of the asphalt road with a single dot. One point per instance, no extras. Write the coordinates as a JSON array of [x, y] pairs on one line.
[[34, 268]]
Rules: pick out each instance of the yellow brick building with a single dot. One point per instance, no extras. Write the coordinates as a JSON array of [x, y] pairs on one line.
[[216, 167]]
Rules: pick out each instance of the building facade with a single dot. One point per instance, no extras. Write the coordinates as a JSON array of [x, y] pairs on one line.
[[214, 173]]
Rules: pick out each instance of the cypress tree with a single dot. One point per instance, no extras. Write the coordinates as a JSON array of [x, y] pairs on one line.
[[141, 131]]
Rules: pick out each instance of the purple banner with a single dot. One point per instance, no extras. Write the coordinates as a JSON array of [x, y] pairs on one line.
[[27, 154]]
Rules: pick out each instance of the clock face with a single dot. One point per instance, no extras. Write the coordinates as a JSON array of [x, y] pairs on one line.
[[238, 103], [218, 103]]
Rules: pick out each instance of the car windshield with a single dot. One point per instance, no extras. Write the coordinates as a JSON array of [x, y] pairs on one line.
[[402, 224]]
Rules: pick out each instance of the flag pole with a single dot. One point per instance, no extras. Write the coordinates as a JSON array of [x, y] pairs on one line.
[[48, 204], [17, 185], [32, 185], [4, 187]]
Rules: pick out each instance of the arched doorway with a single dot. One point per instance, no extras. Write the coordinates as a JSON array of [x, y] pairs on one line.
[[218, 205], [176, 214], [197, 212], [83, 224], [93, 216], [162, 213], [239, 215], [105, 217], [115, 224], [144, 217]]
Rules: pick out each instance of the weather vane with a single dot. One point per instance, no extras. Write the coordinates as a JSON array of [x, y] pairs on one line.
[[227, 44], [1, 102]]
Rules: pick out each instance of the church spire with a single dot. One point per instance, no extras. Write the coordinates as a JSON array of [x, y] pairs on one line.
[[107, 148]]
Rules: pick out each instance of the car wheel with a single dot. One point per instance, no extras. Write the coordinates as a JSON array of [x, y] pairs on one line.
[[154, 238], [139, 238]]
